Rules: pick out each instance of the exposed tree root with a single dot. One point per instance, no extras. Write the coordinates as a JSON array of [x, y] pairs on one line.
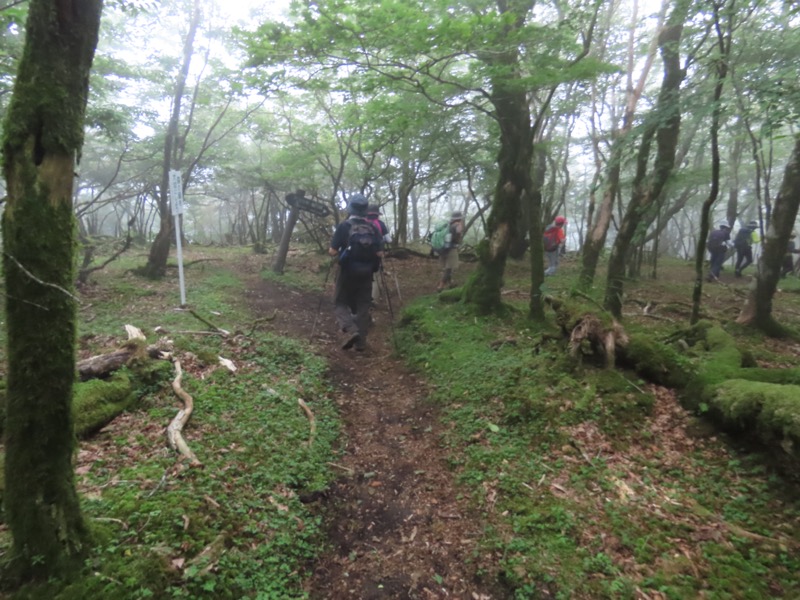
[[175, 428], [311, 420]]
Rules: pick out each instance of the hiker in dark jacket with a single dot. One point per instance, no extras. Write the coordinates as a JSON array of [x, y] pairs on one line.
[[717, 248], [745, 238], [359, 247]]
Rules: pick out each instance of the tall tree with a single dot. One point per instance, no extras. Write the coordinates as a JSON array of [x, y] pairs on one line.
[[159, 251], [42, 140], [758, 308], [600, 222], [723, 28], [663, 125], [486, 56]]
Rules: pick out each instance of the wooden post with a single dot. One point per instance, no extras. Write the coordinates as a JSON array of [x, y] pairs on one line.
[[283, 249]]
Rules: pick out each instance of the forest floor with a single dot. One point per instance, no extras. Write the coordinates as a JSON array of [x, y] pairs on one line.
[[485, 467], [399, 526]]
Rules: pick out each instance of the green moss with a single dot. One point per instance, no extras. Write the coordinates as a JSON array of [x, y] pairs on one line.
[[656, 362], [97, 401], [771, 410]]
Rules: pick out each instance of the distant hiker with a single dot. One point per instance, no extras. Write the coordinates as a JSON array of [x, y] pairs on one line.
[[788, 259], [745, 238], [445, 241], [717, 248], [373, 216], [553, 240], [359, 247]]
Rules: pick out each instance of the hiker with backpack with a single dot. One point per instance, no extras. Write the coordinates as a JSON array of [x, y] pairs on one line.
[[553, 240], [745, 238], [445, 240], [718, 248], [373, 216], [359, 247]]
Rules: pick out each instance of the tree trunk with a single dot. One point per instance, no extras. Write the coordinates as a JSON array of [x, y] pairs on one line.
[[724, 45], [514, 164], [159, 252], [536, 305], [42, 141], [403, 194], [667, 127], [598, 230], [758, 309]]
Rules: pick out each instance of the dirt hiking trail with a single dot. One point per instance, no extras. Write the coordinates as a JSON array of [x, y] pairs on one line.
[[396, 522]]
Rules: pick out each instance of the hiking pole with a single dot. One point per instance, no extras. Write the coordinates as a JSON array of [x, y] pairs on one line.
[[322, 297], [389, 304]]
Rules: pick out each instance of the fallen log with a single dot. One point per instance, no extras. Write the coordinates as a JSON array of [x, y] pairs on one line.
[[102, 365]]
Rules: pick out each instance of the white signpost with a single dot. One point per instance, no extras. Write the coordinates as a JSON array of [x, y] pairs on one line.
[[176, 204]]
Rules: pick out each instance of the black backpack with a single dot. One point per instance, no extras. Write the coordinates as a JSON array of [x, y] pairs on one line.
[[360, 258], [717, 239], [743, 237]]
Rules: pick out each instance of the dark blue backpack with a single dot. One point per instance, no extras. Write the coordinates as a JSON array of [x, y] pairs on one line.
[[360, 258]]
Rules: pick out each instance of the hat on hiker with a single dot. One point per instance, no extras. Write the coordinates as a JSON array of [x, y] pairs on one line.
[[560, 221], [357, 204], [724, 226], [374, 209], [456, 216], [753, 224]]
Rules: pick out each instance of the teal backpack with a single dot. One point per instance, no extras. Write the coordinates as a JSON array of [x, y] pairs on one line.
[[441, 237]]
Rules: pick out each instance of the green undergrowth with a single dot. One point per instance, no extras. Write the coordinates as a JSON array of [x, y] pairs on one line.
[[237, 526], [589, 485]]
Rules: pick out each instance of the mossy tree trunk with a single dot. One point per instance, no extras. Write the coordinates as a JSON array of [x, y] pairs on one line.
[[758, 309], [665, 126], [159, 251], [43, 135], [514, 160]]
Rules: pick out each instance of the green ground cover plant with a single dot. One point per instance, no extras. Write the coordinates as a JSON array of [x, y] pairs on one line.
[[237, 526], [594, 482]]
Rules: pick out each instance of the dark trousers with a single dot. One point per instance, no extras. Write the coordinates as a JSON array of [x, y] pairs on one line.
[[351, 303], [744, 258], [717, 258]]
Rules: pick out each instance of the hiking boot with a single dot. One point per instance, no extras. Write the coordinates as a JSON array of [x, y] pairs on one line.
[[349, 340], [360, 344]]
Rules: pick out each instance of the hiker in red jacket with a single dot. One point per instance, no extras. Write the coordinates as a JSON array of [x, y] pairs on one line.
[[554, 238]]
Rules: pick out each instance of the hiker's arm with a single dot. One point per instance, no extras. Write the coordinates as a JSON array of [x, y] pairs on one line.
[[333, 251]]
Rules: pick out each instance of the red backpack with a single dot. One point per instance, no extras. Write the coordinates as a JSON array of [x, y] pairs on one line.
[[550, 238]]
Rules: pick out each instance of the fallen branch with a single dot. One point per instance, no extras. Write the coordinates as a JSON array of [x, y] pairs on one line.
[[261, 320], [312, 421], [208, 557], [175, 428], [209, 323]]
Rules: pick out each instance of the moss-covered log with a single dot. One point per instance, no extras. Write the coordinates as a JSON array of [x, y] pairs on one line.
[[717, 381], [770, 411]]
